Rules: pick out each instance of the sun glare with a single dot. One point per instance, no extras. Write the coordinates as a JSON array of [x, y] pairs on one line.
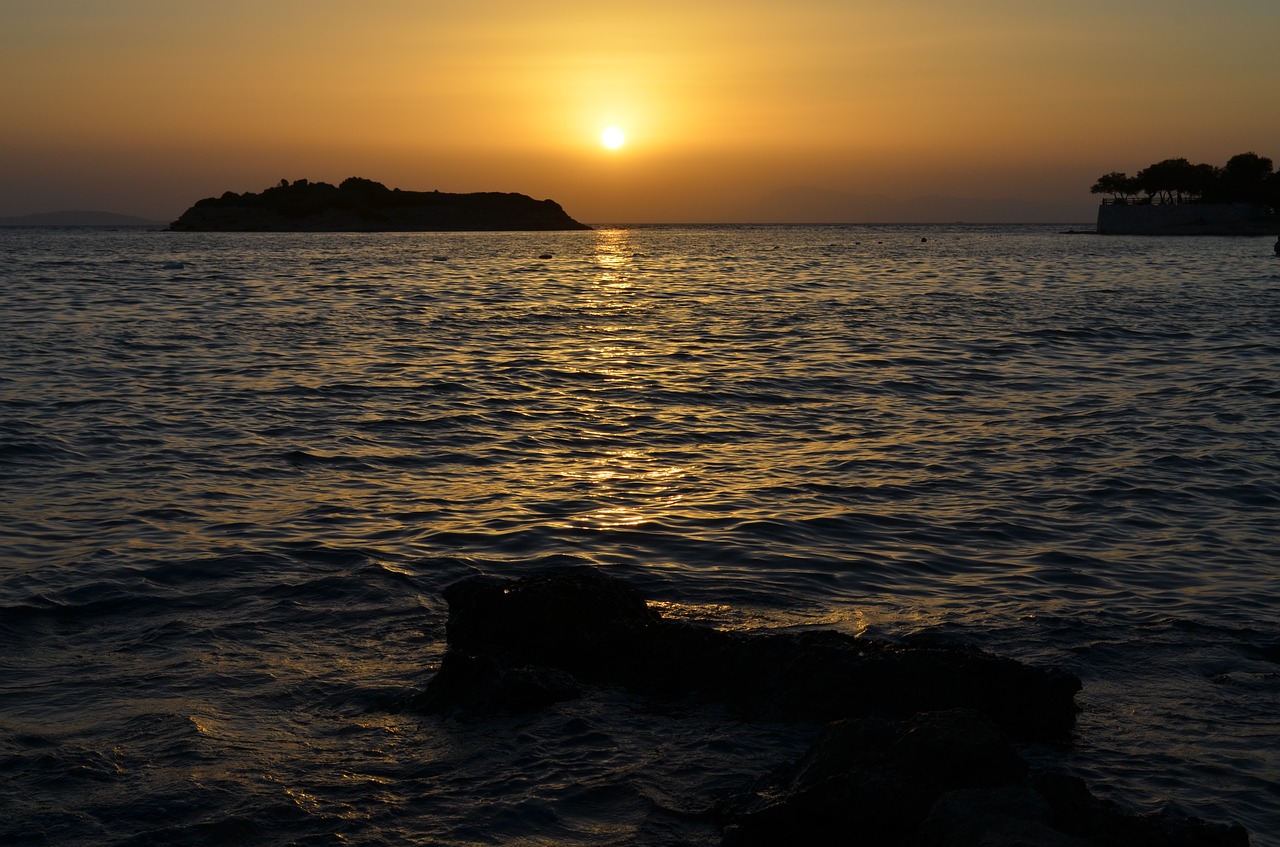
[[612, 138]]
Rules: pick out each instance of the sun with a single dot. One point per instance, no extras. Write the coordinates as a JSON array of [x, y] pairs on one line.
[[612, 138]]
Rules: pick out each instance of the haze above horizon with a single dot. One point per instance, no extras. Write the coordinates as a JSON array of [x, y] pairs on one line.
[[821, 110]]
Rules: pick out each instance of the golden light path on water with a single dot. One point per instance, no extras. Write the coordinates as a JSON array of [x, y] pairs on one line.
[[617, 351], [615, 355]]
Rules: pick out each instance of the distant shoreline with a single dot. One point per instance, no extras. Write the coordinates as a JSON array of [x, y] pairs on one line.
[[110, 220], [78, 218]]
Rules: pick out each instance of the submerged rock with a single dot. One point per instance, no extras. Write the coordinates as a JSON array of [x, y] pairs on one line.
[[881, 776], [941, 779]]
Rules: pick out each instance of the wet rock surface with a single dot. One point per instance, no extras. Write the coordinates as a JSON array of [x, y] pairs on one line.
[[941, 779], [918, 747], [508, 635]]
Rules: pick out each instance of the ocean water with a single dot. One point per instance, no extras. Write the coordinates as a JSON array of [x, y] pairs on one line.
[[237, 469]]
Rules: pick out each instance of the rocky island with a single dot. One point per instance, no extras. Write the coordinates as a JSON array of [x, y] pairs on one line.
[[362, 205]]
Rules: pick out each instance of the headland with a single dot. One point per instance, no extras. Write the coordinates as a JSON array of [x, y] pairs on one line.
[[362, 205]]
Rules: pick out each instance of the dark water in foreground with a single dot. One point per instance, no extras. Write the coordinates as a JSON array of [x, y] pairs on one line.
[[236, 470]]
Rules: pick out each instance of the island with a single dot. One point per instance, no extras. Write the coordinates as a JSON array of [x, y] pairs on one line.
[[363, 205], [1175, 197]]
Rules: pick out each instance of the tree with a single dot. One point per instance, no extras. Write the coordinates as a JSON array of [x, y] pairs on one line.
[[1245, 177], [356, 183], [1203, 179], [1117, 184], [1170, 180]]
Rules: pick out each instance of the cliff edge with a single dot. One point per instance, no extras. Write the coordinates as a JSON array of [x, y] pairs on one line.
[[362, 205]]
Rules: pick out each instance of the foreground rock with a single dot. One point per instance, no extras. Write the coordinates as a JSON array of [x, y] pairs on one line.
[[941, 779], [520, 644], [362, 205], [918, 751]]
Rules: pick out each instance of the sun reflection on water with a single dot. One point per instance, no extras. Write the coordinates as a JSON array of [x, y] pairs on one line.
[[613, 257], [626, 483], [632, 486]]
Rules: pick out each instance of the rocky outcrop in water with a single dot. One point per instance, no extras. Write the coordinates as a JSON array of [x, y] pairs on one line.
[[362, 205], [521, 644], [918, 752], [941, 779]]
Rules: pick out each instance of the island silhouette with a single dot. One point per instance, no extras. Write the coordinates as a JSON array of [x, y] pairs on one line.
[[363, 205]]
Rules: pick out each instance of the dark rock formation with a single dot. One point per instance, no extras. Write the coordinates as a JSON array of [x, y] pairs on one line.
[[918, 751], [941, 779], [511, 643], [362, 205]]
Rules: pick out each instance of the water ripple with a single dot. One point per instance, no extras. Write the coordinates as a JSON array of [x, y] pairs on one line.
[[237, 469]]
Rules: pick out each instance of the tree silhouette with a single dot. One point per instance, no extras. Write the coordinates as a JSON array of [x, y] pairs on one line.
[[1169, 180], [1246, 178], [1117, 184]]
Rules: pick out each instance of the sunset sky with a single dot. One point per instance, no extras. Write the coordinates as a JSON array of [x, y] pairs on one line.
[[742, 111]]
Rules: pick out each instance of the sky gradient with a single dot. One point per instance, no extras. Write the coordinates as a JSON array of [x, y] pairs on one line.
[[745, 111]]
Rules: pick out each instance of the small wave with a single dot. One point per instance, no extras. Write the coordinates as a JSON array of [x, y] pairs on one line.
[[46, 451]]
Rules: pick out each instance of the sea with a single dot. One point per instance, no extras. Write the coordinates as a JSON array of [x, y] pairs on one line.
[[237, 470]]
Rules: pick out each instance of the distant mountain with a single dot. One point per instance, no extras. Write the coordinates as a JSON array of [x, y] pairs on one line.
[[809, 204], [362, 205], [78, 218]]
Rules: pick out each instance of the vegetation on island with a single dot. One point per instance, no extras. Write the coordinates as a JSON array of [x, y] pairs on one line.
[[362, 205], [1246, 178]]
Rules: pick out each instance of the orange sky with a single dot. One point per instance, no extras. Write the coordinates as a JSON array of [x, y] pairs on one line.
[[733, 111]]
